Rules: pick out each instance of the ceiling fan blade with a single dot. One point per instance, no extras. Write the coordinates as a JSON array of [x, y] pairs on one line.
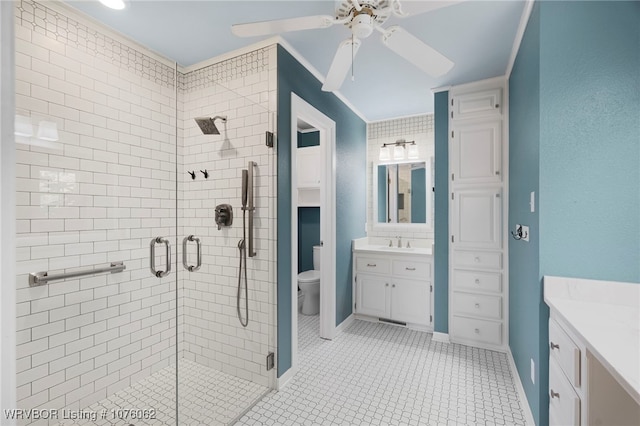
[[406, 8], [282, 26], [416, 51], [341, 63]]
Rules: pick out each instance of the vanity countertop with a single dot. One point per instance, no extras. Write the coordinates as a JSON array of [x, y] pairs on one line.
[[364, 245], [606, 316]]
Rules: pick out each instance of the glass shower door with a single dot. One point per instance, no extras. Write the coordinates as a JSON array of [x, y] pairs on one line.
[[227, 315], [97, 156]]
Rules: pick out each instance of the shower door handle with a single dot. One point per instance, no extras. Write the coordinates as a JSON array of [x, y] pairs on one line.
[[188, 267], [152, 262]]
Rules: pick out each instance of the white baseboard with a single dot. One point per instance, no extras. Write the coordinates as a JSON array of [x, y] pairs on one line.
[[528, 415], [284, 380], [440, 337], [345, 324]]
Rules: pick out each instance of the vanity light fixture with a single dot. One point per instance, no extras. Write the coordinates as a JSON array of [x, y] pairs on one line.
[[399, 151], [114, 4], [384, 153]]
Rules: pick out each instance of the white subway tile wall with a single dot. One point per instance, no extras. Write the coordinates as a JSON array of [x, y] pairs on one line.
[[419, 129], [107, 187], [213, 335]]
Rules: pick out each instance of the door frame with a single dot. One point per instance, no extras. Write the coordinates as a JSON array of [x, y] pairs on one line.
[[300, 109]]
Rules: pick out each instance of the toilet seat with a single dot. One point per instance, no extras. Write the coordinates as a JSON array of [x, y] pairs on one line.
[[309, 276]]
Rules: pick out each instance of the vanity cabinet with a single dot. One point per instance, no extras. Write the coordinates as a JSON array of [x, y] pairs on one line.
[[393, 287], [478, 294]]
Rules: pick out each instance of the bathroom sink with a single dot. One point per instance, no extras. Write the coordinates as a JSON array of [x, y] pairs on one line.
[[387, 248]]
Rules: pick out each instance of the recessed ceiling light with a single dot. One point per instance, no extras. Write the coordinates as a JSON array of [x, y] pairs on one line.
[[114, 4]]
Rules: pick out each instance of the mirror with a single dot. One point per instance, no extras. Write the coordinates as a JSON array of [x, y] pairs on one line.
[[402, 193]]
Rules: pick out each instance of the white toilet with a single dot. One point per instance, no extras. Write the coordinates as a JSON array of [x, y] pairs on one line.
[[309, 283]]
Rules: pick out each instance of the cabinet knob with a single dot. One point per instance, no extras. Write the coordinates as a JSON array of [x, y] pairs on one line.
[[477, 281], [477, 306], [497, 105], [393, 285], [497, 172], [553, 346], [477, 259], [386, 284], [554, 394], [477, 330]]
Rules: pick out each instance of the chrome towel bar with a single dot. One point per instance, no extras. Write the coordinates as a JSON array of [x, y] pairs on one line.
[[40, 278]]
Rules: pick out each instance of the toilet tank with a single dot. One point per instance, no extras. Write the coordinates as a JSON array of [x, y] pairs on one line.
[[316, 258]]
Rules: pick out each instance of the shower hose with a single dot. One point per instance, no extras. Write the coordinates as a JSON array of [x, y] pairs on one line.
[[243, 268]]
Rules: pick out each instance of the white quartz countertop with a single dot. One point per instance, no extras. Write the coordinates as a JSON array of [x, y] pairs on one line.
[[606, 316], [364, 245]]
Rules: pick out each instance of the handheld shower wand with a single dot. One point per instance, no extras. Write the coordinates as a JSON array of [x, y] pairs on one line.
[[243, 252]]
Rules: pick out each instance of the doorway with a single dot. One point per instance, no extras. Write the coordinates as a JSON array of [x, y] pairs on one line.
[[304, 115]]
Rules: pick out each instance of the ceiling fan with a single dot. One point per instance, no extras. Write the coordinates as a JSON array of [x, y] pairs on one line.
[[362, 17]]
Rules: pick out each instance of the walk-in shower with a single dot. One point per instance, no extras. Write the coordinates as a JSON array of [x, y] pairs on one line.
[[131, 309]]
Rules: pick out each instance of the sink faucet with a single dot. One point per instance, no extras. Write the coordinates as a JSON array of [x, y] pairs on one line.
[[399, 242]]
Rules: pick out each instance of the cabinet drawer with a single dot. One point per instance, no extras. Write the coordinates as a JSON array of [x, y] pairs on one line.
[[477, 305], [565, 352], [564, 403], [373, 265], [477, 281], [477, 259], [478, 330], [412, 269]]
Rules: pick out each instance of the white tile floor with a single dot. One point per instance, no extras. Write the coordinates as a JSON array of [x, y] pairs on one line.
[[378, 374], [207, 397]]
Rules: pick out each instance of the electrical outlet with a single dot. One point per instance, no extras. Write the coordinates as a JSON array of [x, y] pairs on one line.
[[533, 372], [521, 233], [525, 233]]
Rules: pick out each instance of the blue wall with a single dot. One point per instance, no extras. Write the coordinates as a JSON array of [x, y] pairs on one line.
[[441, 220], [586, 57], [351, 145], [418, 195], [525, 286], [308, 236], [308, 139]]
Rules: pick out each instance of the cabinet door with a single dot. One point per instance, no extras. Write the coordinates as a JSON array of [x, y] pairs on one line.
[[477, 152], [372, 294], [477, 218], [410, 301], [308, 166], [487, 103]]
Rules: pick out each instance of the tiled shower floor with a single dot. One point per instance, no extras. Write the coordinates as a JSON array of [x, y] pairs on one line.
[[378, 374], [207, 397]]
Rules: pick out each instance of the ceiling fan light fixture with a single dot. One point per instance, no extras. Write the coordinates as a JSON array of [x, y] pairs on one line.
[[362, 25]]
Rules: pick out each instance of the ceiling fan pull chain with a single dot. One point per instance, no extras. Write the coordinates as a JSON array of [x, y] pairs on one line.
[[353, 77]]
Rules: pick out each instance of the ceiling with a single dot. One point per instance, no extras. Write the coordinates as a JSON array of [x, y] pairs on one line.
[[476, 35]]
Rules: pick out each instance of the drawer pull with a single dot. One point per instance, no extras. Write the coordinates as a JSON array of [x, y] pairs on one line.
[[410, 269], [477, 330], [554, 394], [477, 281], [371, 265], [477, 306], [553, 346]]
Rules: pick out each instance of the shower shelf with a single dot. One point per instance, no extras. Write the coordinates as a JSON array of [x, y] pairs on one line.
[[40, 278]]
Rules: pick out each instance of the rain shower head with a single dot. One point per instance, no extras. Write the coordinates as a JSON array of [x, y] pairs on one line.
[[208, 125]]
